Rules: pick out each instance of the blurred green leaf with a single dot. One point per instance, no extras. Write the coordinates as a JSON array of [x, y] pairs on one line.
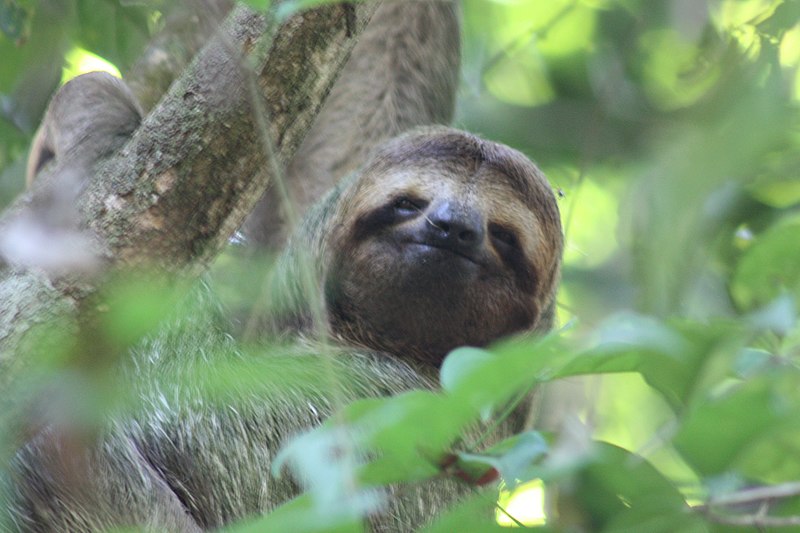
[[770, 267], [786, 15], [469, 515], [412, 431], [669, 358], [779, 316], [114, 31], [514, 458], [135, 306], [409, 434], [779, 192], [674, 77], [14, 19], [720, 433], [483, 380], [258, 5], [623, 493], [302, 516]]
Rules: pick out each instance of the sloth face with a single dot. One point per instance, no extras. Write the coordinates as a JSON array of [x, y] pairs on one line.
[[445, 240]]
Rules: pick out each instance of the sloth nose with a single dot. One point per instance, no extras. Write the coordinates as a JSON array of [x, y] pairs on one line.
[[455, 227]]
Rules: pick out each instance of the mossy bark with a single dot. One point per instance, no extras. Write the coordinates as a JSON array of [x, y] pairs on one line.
[[172, 196]]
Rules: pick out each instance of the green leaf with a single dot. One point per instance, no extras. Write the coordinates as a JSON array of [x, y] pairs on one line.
[[483, 380], [113, 31], [137, 304], [301, 515], [769, 268], [514, 458], [469, 515], [405, 436], [14, 19], [772, 457], [258, 5], [785, 16], [326, 461], [622, 492], [460, 365], [669, 357], [411, 431], [779, 316], [780, 192], [721, 433]]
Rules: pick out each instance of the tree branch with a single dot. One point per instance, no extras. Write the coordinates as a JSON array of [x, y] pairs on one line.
[[756, 495], [759, 496], [188, 27], [192, 171]]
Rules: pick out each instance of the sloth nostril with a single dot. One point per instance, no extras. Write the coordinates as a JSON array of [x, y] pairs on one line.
[[467, 236]]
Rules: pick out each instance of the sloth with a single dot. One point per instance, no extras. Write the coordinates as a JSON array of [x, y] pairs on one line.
[[441, 240]]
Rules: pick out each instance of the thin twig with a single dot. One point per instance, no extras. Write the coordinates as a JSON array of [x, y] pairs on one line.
[[516, 522], [761, 496], [757, 521], [754, 495]]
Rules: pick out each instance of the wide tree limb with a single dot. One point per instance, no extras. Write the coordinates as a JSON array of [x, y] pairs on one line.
[[196, 166]]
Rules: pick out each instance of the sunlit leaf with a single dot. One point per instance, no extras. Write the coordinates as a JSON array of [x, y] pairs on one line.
[[593, 225], [520, 79], [569, 32], [80, 61], [785, 16], [526, 504], [779, 192]]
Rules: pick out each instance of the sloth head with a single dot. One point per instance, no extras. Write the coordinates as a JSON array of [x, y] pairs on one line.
[[443, 239]]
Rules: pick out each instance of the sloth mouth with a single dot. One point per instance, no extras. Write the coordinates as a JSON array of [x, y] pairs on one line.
[[444, 248]]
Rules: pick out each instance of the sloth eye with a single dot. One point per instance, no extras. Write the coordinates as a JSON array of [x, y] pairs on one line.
[[394, 210], [407, 205], [504, 236]]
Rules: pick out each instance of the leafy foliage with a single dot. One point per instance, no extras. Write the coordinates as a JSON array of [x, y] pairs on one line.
[[672, 131]]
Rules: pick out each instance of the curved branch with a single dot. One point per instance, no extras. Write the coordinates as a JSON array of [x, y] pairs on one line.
[[192, 171]]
